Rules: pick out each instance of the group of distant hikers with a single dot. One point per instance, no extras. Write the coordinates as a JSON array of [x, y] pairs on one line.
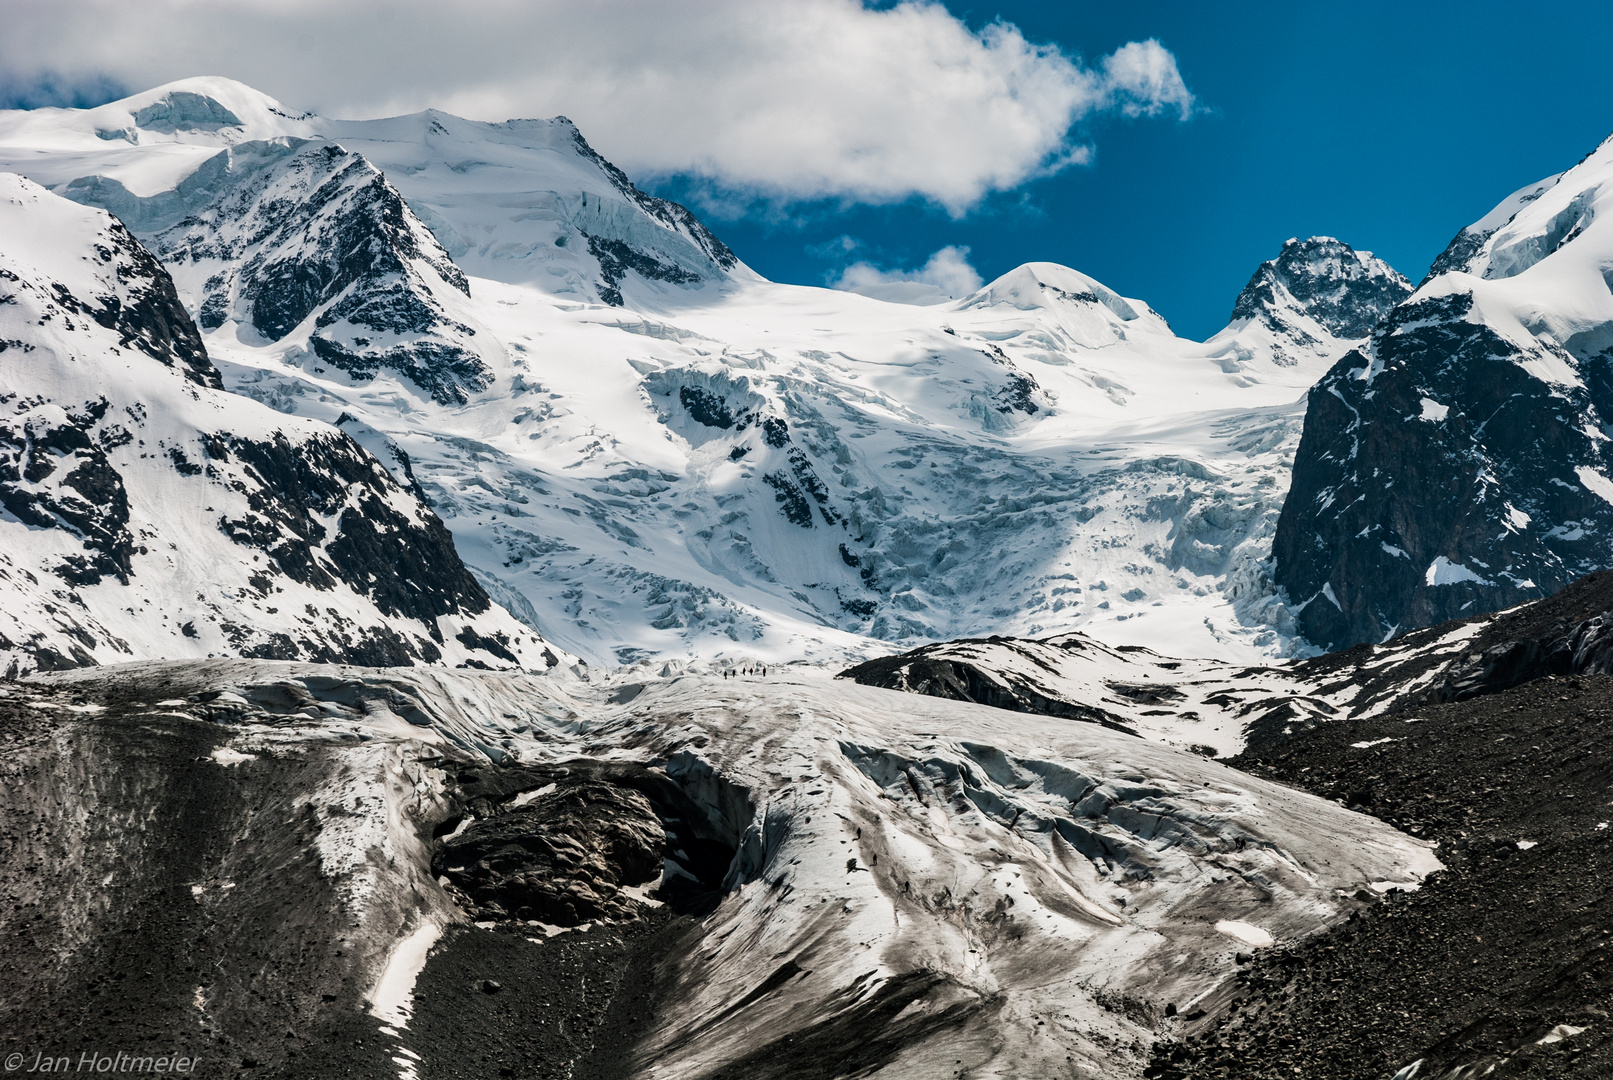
[[734, 673]]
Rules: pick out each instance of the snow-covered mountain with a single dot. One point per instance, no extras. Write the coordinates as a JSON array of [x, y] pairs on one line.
[[705, 863], [526, 200], [643, 449], [1460, 461], [148, 512]]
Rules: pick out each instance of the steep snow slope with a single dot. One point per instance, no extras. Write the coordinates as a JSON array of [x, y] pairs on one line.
[[659, 454], [908, 884], [1459, 462], [149, 513]]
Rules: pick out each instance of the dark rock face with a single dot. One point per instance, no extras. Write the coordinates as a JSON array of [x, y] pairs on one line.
[[54, 469], [143, 310], [617, 258], [1440, 475], [562, 858], [56, 475], [792, 504], [407, 566], [708, 408], [1345, 290], [1018, 394]]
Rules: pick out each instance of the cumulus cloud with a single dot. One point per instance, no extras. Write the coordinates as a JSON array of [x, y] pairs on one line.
[[787, 100], [947, 275], [1141, 79]]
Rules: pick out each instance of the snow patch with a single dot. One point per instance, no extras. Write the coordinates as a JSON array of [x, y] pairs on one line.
[[1389, 886], [226, 756], [1596, 483], [1444, 572], [530, 796], [1248, 933], [390, 1001], [1559, 1033]]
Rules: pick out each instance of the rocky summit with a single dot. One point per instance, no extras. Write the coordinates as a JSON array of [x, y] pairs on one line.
[[1320, 282]]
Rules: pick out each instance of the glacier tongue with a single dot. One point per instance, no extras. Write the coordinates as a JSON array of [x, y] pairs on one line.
[[1012, 879], [915, 884]]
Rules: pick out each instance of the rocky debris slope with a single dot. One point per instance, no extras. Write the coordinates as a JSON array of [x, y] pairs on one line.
[[893, 883], [1458, 463], [147, 512], [1499, 965], [1219, 708], [166, 896]]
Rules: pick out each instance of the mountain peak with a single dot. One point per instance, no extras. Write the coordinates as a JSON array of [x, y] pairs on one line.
[[1343, 290], [203, 109], [1036, 285]]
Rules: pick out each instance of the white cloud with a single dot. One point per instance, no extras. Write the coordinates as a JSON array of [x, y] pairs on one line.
[[1141, 80], [788, 100], [947, 275]]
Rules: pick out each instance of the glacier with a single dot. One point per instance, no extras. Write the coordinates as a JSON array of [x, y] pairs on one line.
[[646, 451]]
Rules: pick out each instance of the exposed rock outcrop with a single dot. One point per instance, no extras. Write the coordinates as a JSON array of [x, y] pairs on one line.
[[1458, 462]]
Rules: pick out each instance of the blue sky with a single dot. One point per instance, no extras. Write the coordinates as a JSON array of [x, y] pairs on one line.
[[815, 134], [1388, 125]]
